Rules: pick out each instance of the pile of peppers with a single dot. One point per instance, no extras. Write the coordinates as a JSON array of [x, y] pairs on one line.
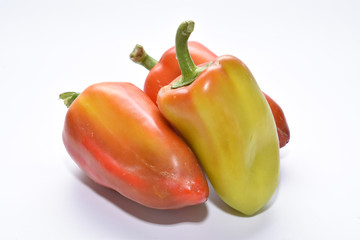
[[199, 118]]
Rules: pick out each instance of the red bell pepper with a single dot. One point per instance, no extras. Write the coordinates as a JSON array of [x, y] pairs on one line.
[[167, 69], [118, 137]]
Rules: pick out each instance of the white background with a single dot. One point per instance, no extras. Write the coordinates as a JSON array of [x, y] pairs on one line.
[[304, 54]]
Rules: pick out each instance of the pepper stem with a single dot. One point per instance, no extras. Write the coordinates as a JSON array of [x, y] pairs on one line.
[[187, 66], [138, 55], [68, 97]]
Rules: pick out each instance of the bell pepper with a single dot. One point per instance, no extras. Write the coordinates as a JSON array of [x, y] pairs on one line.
[[222, 114], [118, 137], [167, 69]]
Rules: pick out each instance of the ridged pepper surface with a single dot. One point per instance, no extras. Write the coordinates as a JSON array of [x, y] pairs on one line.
[[118, 137], [222, 114]]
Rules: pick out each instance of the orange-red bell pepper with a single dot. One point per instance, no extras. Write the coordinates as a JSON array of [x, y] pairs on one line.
[[163, 72], [118, 137]]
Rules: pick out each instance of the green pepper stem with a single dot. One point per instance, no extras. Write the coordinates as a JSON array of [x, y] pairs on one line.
[[187, 66], [69, 97], [138, 55]]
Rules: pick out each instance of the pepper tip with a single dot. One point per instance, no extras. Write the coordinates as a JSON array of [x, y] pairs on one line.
[[137, 54], [188, 27]]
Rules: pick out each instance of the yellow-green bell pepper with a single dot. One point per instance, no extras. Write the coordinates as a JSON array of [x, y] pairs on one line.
[[222, 114]]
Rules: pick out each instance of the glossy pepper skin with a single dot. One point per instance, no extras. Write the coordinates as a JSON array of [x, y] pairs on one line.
[[118, 137], [224, 117], [282, 127], [167, 69]]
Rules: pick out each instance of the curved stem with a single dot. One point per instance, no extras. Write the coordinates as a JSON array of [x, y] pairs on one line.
[[69, 97], [138, 55], [189, 70]]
